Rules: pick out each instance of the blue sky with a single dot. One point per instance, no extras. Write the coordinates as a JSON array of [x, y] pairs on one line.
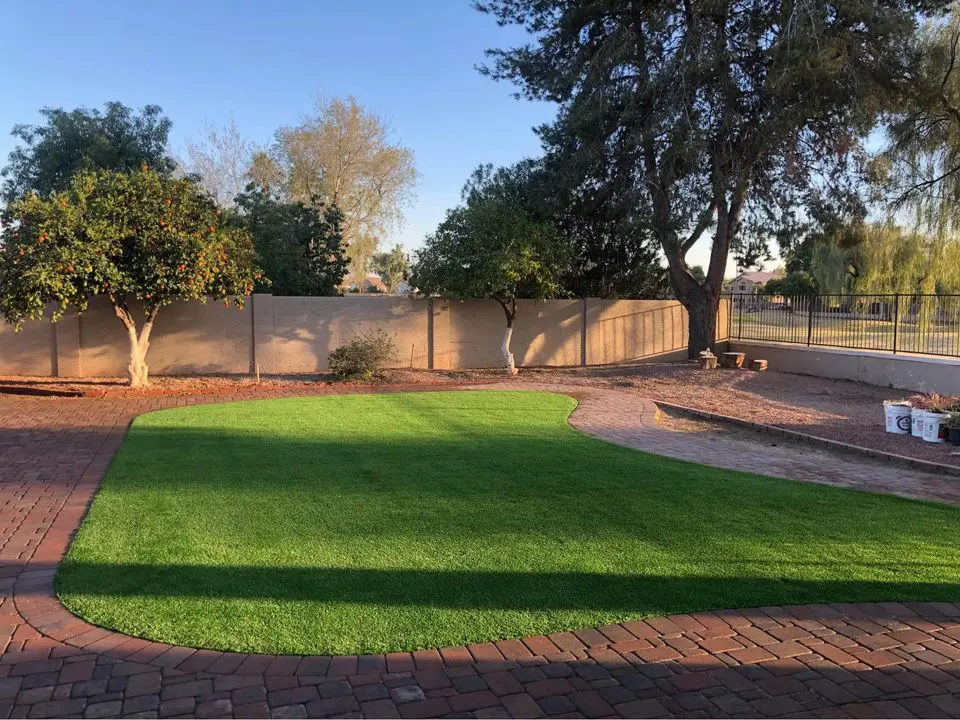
[[263, 63]]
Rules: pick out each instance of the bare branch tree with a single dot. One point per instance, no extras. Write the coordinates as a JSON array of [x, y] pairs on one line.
[[221, 159]]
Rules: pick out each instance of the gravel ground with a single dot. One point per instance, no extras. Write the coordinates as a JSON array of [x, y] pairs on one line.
[[835, 409], [679, 421]]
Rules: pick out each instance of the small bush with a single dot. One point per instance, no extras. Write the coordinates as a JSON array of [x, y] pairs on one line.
[[364, 355]]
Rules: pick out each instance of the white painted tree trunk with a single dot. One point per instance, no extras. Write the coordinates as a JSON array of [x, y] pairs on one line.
[[139, 344], [507, 354], [137, 367]]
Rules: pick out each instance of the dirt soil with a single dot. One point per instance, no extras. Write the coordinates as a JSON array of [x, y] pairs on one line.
[[835, 409]]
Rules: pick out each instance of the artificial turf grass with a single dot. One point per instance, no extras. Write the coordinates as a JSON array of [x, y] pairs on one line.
[[373, 523]]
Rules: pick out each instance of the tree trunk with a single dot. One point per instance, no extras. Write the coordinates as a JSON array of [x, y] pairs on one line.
[[137, 367], [510, 311], [139, 343], [505, 349], [702, 308], [702, 299]]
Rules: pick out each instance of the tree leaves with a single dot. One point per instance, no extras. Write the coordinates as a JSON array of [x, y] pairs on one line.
[[492, 246], [724, 116], [129, 236], [343, 155], [301, 248], [116, 138], [392, 266]]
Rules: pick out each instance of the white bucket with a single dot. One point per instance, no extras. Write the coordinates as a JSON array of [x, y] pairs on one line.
[[898, 420], [935, 427], [916, 422]]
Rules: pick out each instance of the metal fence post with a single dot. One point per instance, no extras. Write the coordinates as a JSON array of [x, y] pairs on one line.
[[810, 302], [896, 320], [740, 317], [730, 317]]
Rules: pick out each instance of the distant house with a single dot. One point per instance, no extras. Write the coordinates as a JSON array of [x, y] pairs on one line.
[[750, 283], [371, 283]]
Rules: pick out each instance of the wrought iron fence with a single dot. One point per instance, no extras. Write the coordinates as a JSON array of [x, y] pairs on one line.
[[927, 324]]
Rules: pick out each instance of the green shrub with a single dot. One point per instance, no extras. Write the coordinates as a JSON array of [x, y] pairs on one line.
[[364, 355]]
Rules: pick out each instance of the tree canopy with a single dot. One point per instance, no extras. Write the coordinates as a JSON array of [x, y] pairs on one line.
[[719, 118], [133, 237], [611, 251], [116, 138], [393, 267], [875, 258], [792, 284], [342, 154], [300, 248], [918, 173]]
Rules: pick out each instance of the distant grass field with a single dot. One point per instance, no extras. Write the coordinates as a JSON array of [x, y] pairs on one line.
[[362, 524], [867, 334]]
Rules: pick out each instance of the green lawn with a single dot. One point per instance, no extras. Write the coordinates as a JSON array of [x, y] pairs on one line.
[[372, 523]]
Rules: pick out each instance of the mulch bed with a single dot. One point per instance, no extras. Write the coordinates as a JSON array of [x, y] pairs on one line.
[[174, 385]]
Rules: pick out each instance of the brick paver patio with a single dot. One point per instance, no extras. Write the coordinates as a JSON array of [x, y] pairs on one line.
[[869, 660]]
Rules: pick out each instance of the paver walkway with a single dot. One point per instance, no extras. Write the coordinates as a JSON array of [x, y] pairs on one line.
[[629, 419], [870, 660]]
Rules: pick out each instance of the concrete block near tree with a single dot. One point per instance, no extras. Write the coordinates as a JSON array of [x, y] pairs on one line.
[[732, 360]]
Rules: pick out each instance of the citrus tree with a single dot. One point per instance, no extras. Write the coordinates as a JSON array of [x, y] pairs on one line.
[[493, 247], [136, 236]]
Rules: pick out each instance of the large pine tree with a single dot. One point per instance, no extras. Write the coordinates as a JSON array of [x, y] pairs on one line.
[[723, 116]]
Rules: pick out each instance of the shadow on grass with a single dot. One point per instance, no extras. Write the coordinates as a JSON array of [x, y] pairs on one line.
[[460, 589]]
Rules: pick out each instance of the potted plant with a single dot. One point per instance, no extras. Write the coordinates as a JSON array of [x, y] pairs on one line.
[[953, 428], [919, 405], [935, 418]]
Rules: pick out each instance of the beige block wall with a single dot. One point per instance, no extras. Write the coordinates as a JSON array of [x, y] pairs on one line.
[[297, 334], [723, 320], [545, 333], [921, 373], [625, 330], [187, 338], [32, 351], [439, 335]]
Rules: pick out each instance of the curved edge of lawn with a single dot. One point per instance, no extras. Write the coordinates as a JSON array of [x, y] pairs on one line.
[[900, 590]]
